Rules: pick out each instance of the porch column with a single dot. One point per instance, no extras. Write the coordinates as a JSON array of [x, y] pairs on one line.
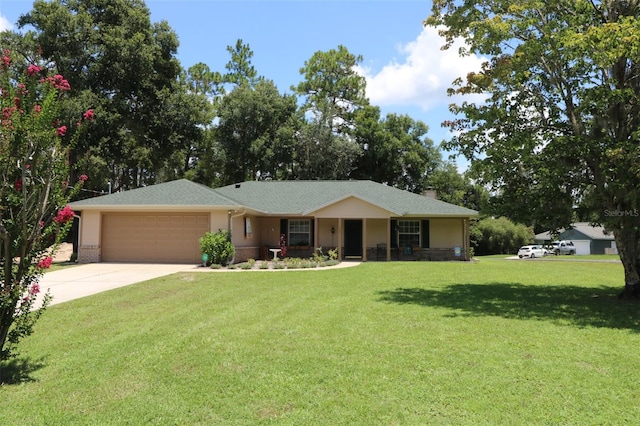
[[388, 239], [316, 223], [467, 238], [364, 239], [340, 238]]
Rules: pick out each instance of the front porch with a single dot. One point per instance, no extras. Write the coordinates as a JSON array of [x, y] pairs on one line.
[[365, 239]]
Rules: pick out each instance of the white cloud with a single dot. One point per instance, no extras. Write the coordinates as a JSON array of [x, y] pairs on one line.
[[424, 76], [5, 24]]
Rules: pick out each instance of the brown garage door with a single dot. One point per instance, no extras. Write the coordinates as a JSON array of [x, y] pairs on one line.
[[153, 237]]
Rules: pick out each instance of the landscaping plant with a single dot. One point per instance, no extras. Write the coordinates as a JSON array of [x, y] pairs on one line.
[[35, 188], [218, 247]]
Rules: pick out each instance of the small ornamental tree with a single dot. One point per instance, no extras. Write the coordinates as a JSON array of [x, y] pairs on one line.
[[34, 189]]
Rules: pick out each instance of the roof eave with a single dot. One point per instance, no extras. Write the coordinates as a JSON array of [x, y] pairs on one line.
[[152, 207]]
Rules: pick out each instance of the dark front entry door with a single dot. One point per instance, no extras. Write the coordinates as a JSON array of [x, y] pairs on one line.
[[353, 238]]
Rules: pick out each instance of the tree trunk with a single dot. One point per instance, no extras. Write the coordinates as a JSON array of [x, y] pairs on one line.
[[627, 237]]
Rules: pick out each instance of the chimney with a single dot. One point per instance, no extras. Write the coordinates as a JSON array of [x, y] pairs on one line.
[[430, 193]]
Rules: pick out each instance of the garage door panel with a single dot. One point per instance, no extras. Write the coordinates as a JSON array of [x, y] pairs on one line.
[[160, 237]]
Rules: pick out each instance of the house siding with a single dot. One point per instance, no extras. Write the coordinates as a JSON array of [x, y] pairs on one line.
[[445, 233]]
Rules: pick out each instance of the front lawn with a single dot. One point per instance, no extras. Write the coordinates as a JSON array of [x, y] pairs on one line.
[[406, 343]]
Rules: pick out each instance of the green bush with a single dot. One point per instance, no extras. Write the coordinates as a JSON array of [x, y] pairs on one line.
[[499, 236], [218, 247]]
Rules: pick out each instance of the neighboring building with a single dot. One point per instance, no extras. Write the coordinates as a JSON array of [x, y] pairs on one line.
[[586, 238], [361, 219]]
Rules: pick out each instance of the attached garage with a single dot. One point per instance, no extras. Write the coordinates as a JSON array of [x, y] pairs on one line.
[[153, 237]]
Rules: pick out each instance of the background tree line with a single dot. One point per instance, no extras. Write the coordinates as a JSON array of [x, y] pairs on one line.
[[160, 122]]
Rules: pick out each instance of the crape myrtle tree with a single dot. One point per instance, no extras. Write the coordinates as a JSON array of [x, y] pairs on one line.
[[34, 187], [560, 126]]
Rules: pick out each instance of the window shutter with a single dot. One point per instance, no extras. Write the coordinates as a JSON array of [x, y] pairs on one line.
[[425, 234], [284, 224], [394, 233], [311, 231]]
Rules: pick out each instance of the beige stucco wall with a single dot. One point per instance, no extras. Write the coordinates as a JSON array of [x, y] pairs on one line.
[[376, 232], [219, 220], [445, 233], [325, 237], [352, 208], [90, 225], [269, 230], [239, 234]]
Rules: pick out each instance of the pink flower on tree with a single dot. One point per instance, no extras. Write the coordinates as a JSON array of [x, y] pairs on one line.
[[64, 215], [88, 115], [62, 130], [58, 82], [33, 69], [84, 178], [35, 288], [18, 185], [45, 263], [37, 109], [8, 112], [6, 58]]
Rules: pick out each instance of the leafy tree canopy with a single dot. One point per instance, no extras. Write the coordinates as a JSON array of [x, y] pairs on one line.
[[126, 67], [560, 125]]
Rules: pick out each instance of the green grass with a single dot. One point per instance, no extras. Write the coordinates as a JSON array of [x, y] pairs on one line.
[[579, 258], [491, 342]]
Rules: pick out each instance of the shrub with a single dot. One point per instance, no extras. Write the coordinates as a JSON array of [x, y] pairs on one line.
[[218, 247], [333, 254], [318, 256], [499, 236]]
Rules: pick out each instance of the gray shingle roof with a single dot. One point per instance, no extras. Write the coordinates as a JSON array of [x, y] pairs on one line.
[[585, 228], [180, 192], [278, 197], [305, 197]]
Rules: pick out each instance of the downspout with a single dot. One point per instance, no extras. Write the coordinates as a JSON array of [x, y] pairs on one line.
[[230, 227]]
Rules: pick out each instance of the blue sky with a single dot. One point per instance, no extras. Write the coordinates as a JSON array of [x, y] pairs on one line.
[[406, 71]]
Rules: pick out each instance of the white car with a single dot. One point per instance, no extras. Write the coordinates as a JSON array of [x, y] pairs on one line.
[[531, 252]]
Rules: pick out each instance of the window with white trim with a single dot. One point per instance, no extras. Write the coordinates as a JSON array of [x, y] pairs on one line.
[[299, 232], [409, 233]]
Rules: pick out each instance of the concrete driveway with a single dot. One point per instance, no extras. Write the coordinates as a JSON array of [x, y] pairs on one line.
[[84, 280]]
